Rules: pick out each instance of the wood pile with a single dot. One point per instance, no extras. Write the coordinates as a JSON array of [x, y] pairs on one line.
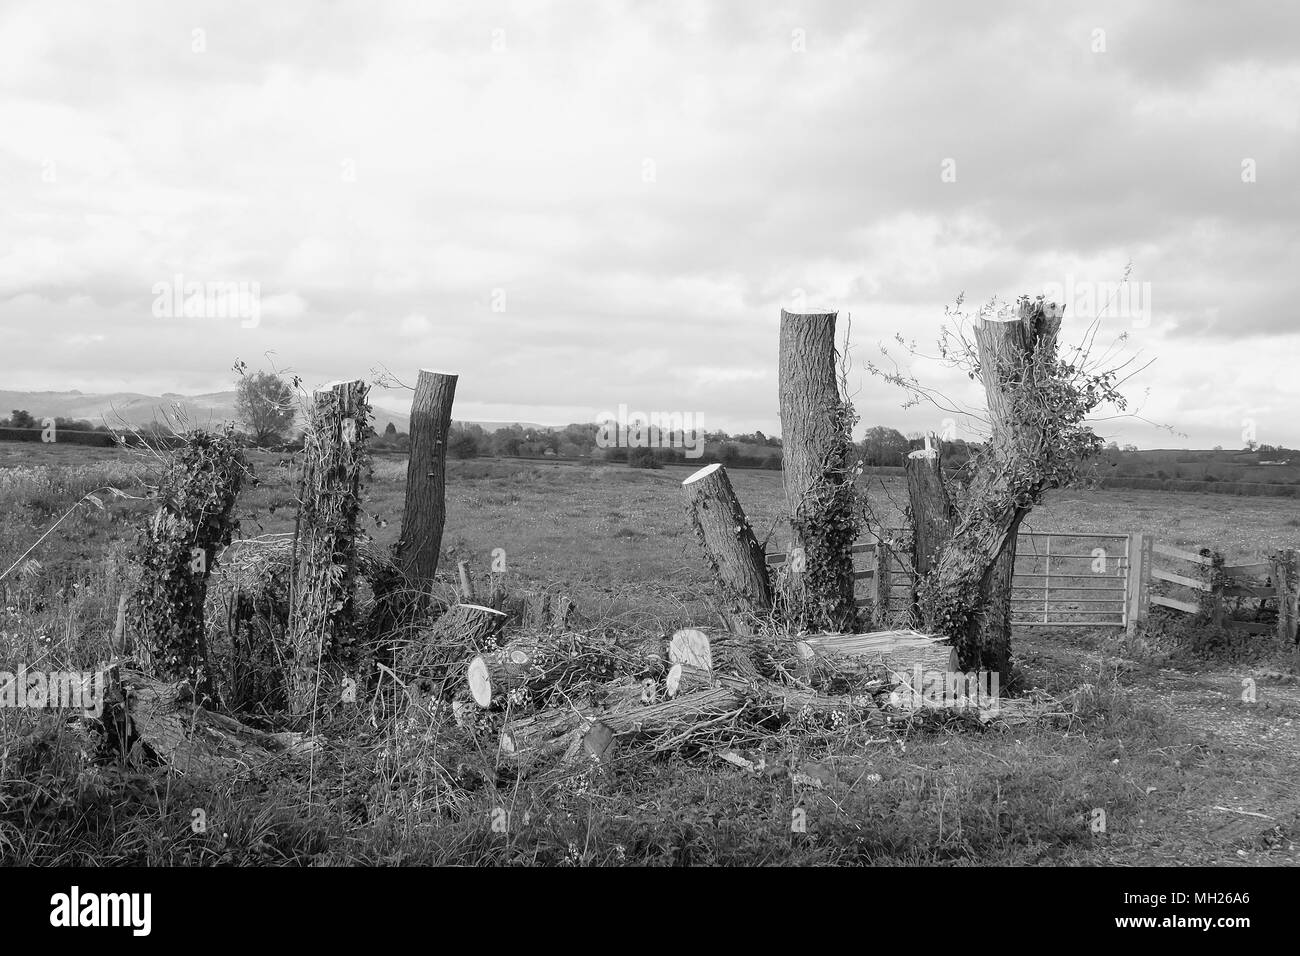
[[551, 700]]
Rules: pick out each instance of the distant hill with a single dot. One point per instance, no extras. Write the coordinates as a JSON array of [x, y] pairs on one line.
[[134, 408], [1272, 471]]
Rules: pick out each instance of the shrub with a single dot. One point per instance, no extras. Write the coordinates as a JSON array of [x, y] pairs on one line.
[[463, 445], [643, 458]]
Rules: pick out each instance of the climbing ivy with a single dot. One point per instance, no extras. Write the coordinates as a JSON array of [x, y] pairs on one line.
[[176, 549]]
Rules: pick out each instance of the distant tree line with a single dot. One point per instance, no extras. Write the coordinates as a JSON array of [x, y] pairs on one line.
[[22, 425], [580, 441]]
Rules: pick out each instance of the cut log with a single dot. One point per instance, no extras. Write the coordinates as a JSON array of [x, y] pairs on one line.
[[497, 673], [686, 679], [897, 648], [418, 548], [725, 653], [322, 626], [737, 559], [441, 651], [160, 722], [468, 627], [561, 733], [817, 449], [692, 647]]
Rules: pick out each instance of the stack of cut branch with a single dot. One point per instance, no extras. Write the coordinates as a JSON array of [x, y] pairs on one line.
[[705, 686]]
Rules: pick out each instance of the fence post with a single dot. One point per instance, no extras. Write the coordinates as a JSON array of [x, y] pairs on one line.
[[1214, 605], [322, 616], [1286, 577], [884, 562], [1139, 570]]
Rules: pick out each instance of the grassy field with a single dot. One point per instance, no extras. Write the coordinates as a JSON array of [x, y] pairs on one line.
[[1183, 770]]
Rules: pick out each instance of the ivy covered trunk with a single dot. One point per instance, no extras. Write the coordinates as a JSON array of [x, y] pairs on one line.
[[176, 551], [818, 470], [967, 597], [323, 629], [734, 554]]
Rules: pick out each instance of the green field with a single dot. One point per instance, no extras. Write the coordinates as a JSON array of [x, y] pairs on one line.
[[1183, 770]]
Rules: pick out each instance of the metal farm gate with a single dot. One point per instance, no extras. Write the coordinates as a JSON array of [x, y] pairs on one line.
[[1086, 579], [1062, 579], [1071, 579]]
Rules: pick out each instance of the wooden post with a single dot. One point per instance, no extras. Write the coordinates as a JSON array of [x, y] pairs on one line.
[[880, 610], [1139, 570], [932, 514], [733, 552], [466, 583], [1212, 603], [322, 626], [1286, 577], [816, 467], [426, 479]]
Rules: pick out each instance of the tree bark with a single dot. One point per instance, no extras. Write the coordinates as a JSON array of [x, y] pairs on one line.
[[425, 511], [322, 614], [738, 561], [932, 515], [816, 469]]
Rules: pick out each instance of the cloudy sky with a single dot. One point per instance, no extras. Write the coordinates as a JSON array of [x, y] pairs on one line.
[[577, 205]]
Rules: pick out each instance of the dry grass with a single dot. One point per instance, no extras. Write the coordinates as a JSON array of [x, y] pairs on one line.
[[1158, 748]]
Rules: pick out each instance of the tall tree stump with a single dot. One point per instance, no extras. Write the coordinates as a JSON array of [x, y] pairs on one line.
[[968, 597], [176, 552], [425, 512], [730, 547], [932, 513], [817, 466], [322, 616]]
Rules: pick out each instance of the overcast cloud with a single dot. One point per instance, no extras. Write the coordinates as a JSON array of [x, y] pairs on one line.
[[581, 205]]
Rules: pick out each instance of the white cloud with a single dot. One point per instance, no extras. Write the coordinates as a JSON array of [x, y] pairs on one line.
[[367, 162]]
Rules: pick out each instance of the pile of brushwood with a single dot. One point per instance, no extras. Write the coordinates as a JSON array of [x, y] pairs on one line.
[[542, 698]]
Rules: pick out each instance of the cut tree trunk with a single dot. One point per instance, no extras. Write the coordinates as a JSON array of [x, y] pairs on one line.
[[495, 674], [322, 615], [176, 553], [464, 628], [932, 512], [160, 722], [723, 653], [425, 512], [542, 609], [738, 561], [968, 596], [816, 424]]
